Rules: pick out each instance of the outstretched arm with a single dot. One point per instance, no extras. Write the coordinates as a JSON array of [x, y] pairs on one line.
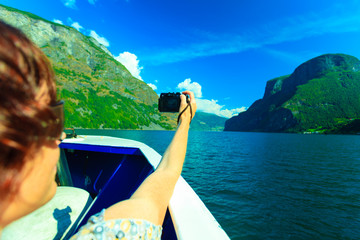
[[151, 199]]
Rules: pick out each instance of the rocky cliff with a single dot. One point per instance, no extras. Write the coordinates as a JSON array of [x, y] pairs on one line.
[[322, 94], [98, 90]]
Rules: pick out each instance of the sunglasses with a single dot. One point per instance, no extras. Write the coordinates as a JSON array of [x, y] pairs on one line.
[[57, 126]]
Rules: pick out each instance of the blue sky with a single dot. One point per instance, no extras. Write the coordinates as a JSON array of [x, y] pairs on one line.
[[224, 51]]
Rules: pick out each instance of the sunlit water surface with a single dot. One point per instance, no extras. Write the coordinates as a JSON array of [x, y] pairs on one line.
[[271, 186]]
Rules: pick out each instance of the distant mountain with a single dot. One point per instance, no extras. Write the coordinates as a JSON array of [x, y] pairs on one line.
[[207, 122], [99, 92], [322, 95]]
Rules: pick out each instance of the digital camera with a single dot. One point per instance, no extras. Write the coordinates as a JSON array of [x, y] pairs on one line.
[[169, 102]]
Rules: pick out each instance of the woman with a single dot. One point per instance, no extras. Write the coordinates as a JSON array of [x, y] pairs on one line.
[[31, 124]]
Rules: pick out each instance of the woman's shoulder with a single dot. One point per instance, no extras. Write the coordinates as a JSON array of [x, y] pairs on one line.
[[98, 228]]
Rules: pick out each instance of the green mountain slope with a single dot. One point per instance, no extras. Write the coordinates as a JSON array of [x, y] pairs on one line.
[[98, 90], [207, 122], [322, 95]]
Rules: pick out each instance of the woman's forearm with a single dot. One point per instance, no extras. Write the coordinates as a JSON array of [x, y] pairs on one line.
[[151, 199], [174, 156]]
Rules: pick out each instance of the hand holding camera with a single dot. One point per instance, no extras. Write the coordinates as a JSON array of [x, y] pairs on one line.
[[176, 102]]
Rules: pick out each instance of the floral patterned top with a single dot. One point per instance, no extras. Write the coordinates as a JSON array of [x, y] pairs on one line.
[[122, 229]]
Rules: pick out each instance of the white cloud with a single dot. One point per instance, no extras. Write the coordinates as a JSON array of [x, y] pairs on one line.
[[152, 86], [291, 57], [191, 86], [77, 26], [92, 1], [69, 20], [58, 21], [212, 106], [205, 105], [283, 30], [130, 61], [69, 3], [100, 39]]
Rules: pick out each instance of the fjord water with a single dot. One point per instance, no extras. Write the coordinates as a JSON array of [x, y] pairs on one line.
[[271, 186]]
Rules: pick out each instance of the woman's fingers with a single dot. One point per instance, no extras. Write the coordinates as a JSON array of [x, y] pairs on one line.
[[191, 94], [192, 101], [183, 102], [187, 112]]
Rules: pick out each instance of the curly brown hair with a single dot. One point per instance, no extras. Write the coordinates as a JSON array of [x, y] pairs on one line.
[[27, 90]]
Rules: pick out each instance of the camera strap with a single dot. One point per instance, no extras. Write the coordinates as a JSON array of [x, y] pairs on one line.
[[184, 111]]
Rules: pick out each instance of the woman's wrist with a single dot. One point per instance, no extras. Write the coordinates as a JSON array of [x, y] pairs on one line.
[[184, 123]]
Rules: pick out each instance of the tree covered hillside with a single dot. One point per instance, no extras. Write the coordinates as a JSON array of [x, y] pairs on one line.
[[99, 92], [207, 122], [322, 95], [328, 102]]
